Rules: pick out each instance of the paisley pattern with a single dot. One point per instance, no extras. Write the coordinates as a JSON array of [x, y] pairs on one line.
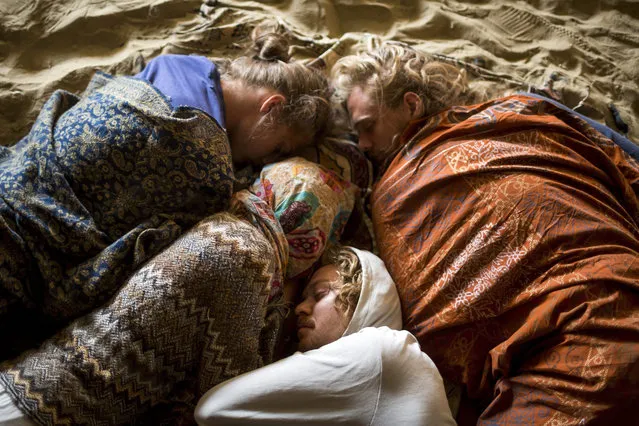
[[511, 229], [296, 210], [344, 158], [99, 185]]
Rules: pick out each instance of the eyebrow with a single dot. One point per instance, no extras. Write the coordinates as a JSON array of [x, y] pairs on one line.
[[359, 121], [311, 286]]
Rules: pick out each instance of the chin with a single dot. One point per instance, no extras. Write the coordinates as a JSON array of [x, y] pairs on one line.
[[305, 346]]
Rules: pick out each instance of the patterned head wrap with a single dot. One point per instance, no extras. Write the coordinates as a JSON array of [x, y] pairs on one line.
[[312, 205]]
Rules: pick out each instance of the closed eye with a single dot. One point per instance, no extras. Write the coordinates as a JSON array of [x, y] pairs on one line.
[[364, 126], [368, 126], [320, 294]]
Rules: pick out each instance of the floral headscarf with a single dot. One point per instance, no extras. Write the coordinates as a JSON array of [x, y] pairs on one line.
[[312, 205]]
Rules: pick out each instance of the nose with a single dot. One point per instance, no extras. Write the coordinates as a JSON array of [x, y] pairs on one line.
[[305, 307], [365, 143]]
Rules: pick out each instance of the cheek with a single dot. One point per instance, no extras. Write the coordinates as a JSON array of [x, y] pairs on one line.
[[401, 122], [269, 141], [333, 322], [259, 149], [238, 147], [380, 137], [323, 312]]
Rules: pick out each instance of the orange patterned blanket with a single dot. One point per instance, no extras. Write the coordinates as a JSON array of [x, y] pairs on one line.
[[512, 231]]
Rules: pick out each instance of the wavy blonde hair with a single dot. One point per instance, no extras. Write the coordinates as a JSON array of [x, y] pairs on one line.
[[390, 69], [268, 64], [350, 272]]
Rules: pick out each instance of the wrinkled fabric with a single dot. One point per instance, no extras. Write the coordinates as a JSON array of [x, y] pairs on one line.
[[10, 414], [378, 304], [343, 157], [100, 185], [623, 142], [200, 312], [312, 205], [511, 231], [374, 375], [188, 80], [195, 315], [252, 208]]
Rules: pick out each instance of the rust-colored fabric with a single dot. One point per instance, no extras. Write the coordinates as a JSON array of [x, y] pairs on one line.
[[511, 230]]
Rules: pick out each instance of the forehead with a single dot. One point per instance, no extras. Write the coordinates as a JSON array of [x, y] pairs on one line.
[[360, 103], [323, 276]]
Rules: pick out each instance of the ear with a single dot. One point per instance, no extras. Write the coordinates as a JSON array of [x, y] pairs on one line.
[[271, 102], [414, 105]]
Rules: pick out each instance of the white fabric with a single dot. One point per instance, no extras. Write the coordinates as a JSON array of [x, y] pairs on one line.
[[374, 375], [10, 414], [378, 304]]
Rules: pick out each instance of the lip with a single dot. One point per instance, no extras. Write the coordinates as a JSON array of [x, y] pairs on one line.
[[304, 325]]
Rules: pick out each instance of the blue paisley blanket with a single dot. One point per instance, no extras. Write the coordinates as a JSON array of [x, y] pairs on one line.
[[100, 184]]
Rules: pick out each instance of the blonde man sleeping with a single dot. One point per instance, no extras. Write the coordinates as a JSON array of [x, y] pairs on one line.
[[355, 366]]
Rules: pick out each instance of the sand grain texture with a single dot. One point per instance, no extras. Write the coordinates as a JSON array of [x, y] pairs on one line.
[[592, 46]]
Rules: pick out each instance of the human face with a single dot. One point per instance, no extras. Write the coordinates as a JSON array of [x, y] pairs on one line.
[[264, 142], [319, 322], [377, 126]]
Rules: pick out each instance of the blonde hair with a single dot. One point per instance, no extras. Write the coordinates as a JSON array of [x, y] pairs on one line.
[[307, 108], [350, 273], [389, 70]]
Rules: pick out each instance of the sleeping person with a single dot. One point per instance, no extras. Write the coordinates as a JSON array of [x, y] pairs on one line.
[[205, 309], [355, 367], [104, 181], [511, 228], [268, 105]]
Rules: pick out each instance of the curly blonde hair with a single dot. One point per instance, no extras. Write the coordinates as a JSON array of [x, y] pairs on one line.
[[388, 70], [307, 108], [350, 272]]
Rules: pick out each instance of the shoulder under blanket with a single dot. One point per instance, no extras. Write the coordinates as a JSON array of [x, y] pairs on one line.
[[512, 231], [195, 315], [99, 185]]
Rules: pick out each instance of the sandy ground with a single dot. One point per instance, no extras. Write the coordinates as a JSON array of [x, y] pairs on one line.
[[591, 47]]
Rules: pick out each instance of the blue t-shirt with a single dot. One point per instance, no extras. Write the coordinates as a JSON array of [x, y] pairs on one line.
[[622, 141], [187, 80]]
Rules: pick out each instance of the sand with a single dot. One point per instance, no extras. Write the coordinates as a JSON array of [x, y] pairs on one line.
[[591, 47]]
